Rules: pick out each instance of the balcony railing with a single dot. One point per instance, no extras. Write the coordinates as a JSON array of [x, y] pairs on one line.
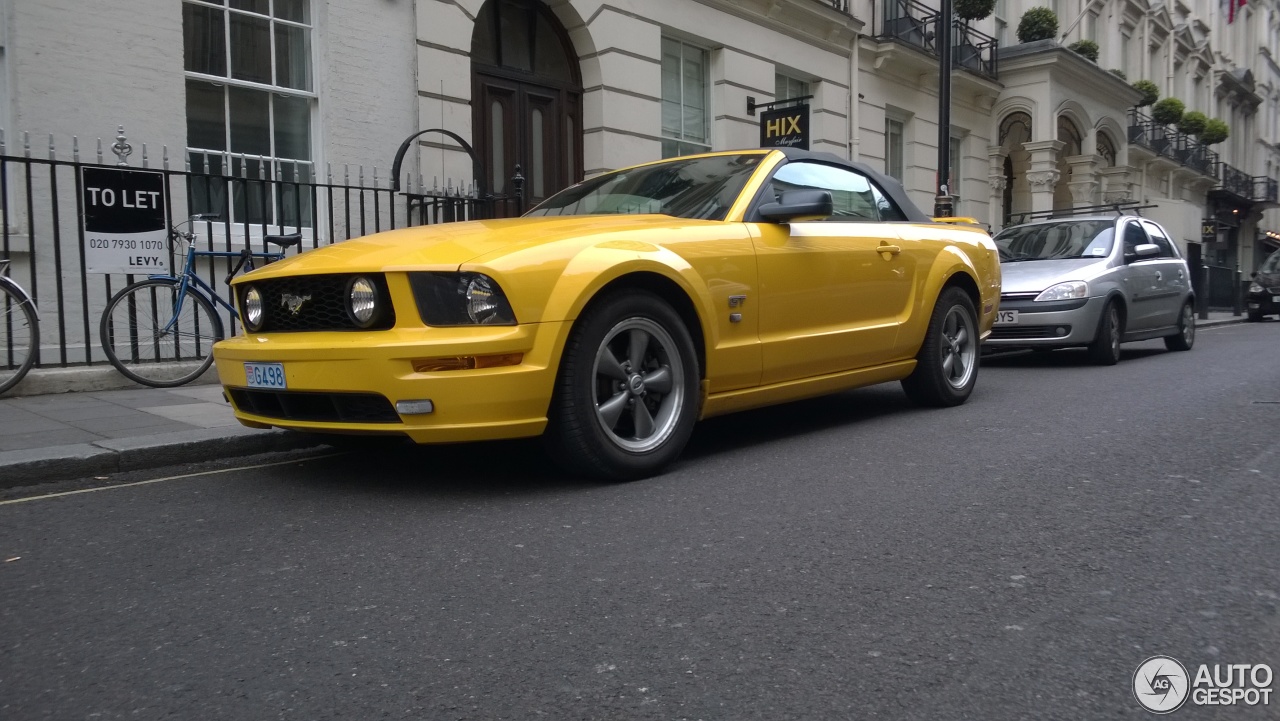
[[840, 5], [1236, 181], [911, 22], [1166, 142], [973, 50], [1265, 190]]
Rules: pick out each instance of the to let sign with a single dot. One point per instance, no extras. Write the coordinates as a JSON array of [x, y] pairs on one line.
[[785, 127], [125, 221]]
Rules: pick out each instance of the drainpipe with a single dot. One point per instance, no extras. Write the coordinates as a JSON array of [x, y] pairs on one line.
[[851, 118]]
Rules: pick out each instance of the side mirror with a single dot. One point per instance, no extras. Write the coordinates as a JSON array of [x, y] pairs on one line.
[[1143, 250], [1254, 274], [799, 205]]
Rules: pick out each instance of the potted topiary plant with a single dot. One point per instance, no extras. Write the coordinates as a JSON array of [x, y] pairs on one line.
[[1150, 92], [1168, 111], [969, 10], [1038, 23], [1193, 123], [1087, 48], [965, 54], [1215, 131]]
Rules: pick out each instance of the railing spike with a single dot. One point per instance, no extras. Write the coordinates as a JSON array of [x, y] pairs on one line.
[[52, 155], [2, 148], [165, 149], [75, 148], [99, 151], [26, 144], [361, 176], [328, 171], [121, 148], [346, 174], [144, 155]]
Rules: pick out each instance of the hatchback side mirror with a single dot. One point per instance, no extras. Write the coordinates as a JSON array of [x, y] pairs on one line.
[[1143, 250], [799, 205]]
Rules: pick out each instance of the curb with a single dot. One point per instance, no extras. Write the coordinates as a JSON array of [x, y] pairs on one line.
[[85, 379], [56, 463], [1219, 321]]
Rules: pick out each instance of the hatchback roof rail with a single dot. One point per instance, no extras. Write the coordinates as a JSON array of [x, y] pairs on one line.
[[1117, 208]]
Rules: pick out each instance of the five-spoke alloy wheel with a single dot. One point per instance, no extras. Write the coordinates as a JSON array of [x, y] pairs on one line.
[[947, 364]]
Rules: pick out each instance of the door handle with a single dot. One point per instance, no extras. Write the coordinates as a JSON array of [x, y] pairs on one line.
[[890, 249], [1159, 275]]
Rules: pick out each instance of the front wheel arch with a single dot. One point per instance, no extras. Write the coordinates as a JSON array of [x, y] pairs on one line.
[[669, 291]]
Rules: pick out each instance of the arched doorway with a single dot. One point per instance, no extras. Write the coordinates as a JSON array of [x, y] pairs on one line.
[[1015, 130], [526, 98]]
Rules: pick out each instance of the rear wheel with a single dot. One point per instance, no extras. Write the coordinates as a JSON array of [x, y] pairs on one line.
[[626, 398], [947, 364], [1105, 348], [19, 336], [153, 340], [1186, 336]]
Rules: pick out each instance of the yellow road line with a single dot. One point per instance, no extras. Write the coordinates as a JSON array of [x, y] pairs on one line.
[[161, 480]]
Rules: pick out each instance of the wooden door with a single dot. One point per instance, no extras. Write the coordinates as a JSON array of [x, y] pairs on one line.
[[529, 125]]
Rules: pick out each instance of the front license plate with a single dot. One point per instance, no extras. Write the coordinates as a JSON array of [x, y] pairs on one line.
[[1275, 299], [264, 375], [1006, 317]]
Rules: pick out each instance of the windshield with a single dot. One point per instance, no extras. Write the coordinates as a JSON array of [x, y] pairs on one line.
[[696, 188], [1068, 239], [1271, 264]]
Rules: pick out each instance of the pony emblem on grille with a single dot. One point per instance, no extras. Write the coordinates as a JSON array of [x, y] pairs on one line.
[[293, 302]]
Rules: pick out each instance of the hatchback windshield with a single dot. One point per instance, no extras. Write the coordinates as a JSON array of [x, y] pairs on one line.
[[1068, 239], [696, 188], [1272, 264]]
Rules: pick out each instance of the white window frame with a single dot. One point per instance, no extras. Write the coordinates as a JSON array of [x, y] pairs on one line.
[[234, 164], [684, 145], [779, 78], [956, 161], [889, 122]]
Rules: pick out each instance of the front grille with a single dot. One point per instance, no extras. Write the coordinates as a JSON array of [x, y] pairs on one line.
[[1023, 332], [308, 406], [1274, 290], [1019, 296], [320, 302]]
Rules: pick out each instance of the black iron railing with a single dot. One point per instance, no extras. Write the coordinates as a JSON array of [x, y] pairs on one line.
[[1194, 154], [840, 5], [974, 51], [910, 22], [1265, 190], [1167, 142], [41, 231], [1236, 181]]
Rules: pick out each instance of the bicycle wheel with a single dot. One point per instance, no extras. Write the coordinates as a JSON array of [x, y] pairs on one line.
[[19, 335], [150, 344]]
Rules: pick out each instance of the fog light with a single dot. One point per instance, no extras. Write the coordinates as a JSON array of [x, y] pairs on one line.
[[1060, 330], [415, 408], [459, 363]]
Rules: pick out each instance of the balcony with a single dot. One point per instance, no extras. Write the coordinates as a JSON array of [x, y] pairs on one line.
[[1265, 190], [839, 5], [1236, 181], [1165, 142], [910, 22], [974, 51]]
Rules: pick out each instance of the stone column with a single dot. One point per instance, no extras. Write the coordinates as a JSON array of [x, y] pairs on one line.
[[1083, 182], [1116, 187], [996, 182], [1044, 174]]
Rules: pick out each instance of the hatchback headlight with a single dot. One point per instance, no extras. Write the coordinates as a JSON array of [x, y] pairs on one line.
[[362, 301], [1069, 290], [1255, 288], [460, 299], [253, 310]]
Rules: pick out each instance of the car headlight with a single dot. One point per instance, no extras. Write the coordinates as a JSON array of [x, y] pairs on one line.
[[363, 301], [253, 310], [460, 299], [1069, 290], [1255, 288]]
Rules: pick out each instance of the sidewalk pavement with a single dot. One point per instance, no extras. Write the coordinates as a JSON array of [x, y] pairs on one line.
[[62, 436]]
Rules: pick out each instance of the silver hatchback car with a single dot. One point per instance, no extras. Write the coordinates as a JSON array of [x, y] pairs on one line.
[[1094, 281]]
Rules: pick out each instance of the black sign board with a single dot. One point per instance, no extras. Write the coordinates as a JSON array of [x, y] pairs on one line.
[[785, 127], [1209, 230], [125, 221]]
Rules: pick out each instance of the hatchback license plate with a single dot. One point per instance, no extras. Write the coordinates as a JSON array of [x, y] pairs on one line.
[[1275, 299], [264, 375], [1006, 317]]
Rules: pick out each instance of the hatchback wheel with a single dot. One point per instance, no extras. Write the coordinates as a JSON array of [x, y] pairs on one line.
[[1105, 348], [1186, 336], [947, 364], [627, 395]]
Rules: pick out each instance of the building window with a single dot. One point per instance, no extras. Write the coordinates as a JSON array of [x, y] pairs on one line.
[[685, 78], [1002, 22], [786, 88], [893, 148], [955, 150], [250, 101]]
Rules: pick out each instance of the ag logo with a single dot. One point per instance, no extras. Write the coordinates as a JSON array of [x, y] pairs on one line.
[[1161, 684]]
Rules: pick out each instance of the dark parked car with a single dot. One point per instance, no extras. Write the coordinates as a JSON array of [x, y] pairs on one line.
[[1264, 291]]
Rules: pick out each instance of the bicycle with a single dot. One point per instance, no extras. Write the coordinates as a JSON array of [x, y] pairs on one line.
[[160, 331], [20, 330]]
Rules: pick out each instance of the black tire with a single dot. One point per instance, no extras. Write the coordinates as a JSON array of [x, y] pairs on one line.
[[597, 419], [1253, 316], [1105, 348], [20, 336], [164, 358], [947, 363], [1186, 337]]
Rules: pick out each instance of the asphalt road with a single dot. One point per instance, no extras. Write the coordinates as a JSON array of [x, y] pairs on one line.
[[847, 557]]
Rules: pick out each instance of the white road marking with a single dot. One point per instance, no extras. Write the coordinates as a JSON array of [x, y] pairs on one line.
[[161, 480]]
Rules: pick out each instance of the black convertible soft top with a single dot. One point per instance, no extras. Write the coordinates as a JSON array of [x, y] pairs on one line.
[[889, 185]]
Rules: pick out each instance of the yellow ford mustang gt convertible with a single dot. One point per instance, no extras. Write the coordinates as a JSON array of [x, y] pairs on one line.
[[617, 313]]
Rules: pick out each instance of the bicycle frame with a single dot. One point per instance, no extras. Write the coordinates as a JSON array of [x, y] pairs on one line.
[[190, 282]]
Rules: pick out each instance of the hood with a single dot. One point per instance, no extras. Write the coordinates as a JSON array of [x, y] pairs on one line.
[[449, 245], [1033, 276]]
